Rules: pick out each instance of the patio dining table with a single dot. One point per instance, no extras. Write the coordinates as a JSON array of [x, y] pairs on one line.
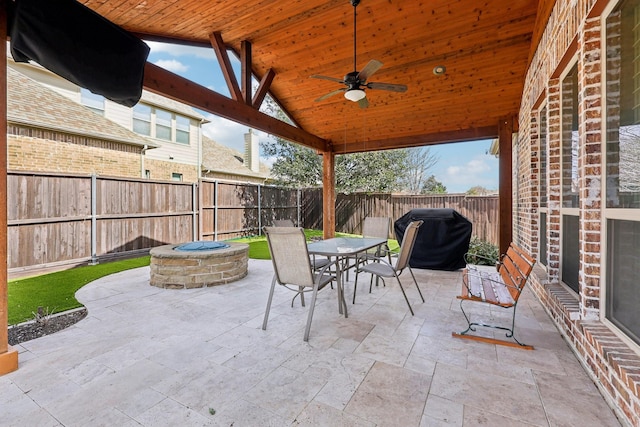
[[343, 248]]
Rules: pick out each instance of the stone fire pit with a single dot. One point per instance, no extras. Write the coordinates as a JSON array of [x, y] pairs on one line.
[[185, 269]]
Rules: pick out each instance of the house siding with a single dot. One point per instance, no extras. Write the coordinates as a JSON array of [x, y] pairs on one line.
[[611, 359]]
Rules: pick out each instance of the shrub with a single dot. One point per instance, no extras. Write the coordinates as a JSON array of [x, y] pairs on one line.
[[482, 252]]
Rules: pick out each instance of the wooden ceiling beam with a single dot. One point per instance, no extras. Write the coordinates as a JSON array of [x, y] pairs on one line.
[[163, 82], [246, 71], [461, 135], [225, 65], [263, 88]]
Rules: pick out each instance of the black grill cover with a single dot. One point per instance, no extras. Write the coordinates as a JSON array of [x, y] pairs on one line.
[[76, 43], [442, 239]]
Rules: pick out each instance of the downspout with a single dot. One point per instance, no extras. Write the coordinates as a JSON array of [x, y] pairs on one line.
[[142, 155]]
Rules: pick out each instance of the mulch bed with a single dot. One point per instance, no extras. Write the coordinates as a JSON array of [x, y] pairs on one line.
[[45, 326]]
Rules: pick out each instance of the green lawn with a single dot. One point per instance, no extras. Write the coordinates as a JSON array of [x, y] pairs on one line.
[[55, 292]]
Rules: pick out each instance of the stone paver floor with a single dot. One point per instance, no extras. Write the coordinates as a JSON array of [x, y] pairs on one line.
[[157, 357]]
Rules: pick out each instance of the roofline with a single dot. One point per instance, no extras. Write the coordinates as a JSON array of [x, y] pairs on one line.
[[149, 144]]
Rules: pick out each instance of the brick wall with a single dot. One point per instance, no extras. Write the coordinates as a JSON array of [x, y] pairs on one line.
[[36, 150], [612, 360], [163, 170]]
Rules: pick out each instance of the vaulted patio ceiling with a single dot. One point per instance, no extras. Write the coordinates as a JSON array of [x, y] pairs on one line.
[[485, 47]]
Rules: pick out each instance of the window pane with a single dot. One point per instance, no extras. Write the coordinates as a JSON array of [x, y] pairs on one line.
[[142, 119], [623, 107], [141, 127], [623, 270], [543, 157], [570, 251], [163, 132], [182, 136], [542, 258], [176, 177], [182, 129], [92, 101], [570, 139], [163, 125]]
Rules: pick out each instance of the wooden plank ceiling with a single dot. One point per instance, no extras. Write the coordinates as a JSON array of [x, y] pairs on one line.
[[484, 45]]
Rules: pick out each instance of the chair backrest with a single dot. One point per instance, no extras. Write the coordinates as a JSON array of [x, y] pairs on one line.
[[406, 247], [376, 227], [290, 256], [283, 223]]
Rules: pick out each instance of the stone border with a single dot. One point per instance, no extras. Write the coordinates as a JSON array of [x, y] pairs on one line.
[[173, 269]]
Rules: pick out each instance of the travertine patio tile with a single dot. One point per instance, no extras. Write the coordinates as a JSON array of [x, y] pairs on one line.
[[170, 413], [558, 395], [442, 412], [390, 395], [474, 416], [512, 399], [317, 414], [152, 357], [345, 376], [287, 392]]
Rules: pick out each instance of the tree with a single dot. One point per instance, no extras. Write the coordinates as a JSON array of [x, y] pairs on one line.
[[298, 166], [374, 171], [478, 190], [433, 186], [419, 162], [294, 165]]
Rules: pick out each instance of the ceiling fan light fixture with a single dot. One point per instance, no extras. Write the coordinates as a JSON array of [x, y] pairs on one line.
[[354, 95]]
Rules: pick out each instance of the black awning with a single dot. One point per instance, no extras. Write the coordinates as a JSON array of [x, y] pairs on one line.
[[78, 44]]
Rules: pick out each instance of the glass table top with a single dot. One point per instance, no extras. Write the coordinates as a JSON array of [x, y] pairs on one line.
[[344, 245]]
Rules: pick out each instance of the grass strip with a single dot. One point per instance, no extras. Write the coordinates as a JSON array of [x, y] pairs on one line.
[[55, 292]]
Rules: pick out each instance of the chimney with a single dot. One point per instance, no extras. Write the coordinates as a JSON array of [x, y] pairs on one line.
[[251, 151]]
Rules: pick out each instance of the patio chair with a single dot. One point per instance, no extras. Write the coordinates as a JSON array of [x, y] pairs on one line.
[[283, 223], [293, 269], [377, 227], [384, 269], [316, 263]]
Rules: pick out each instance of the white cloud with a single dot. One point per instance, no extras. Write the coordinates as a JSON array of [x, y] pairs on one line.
[[182, 50], [229, 133], [476, 171], [172, 65]]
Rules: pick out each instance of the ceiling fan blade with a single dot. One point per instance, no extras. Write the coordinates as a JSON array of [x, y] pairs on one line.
[[363, 103], [333, 79], [387, 86], [373, 66], [330, 94]]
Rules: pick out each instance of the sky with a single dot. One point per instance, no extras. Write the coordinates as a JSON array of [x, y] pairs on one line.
[[460, 165]]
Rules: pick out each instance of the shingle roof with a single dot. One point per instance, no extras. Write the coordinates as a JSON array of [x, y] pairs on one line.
[[32, 104], [219, 158], [162, 101]]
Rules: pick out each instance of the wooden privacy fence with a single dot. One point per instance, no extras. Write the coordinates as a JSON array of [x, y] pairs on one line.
[[56, 219]]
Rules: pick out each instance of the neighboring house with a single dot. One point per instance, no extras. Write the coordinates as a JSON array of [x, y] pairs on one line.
[[162, 138], [220, 162], [47, 132]]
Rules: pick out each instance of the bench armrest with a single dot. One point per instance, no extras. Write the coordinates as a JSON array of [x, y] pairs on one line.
[[472, 259]]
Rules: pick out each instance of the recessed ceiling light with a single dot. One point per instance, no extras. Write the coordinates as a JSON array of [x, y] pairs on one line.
[[439, 70]]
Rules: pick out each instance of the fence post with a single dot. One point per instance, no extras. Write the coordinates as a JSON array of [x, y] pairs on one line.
[[94, 223], [194, 214], [298, 198], [215, 210], [259, 209]]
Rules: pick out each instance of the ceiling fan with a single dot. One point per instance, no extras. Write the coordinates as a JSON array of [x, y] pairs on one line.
[[356, 81]]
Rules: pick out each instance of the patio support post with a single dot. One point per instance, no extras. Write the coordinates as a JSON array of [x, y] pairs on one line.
[[328, 194], [505, 200], [8, 355]]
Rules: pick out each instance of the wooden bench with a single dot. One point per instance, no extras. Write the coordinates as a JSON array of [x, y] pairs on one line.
[[501, 287]]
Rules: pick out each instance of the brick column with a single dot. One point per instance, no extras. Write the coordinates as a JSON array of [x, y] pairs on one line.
[[590, 165], [554, 171]]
